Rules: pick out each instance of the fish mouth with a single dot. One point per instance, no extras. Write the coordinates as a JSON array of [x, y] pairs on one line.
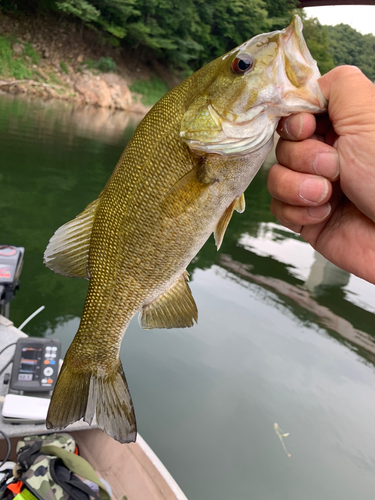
[[298, 73], [295, 30]]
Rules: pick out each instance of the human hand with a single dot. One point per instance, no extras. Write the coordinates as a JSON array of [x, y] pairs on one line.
[[324, 184]]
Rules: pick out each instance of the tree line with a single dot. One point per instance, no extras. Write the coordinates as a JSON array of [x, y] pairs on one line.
[[341, 44], [185, 34]]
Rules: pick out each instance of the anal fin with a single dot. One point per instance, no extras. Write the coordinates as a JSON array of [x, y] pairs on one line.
[[175, 308]]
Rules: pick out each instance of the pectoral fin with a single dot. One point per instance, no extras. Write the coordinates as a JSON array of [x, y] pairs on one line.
[[68, 249], [239, 205], [175, 308], [186, 192]]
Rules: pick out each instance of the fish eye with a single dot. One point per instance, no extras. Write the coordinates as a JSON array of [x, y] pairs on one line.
[[242, 64]]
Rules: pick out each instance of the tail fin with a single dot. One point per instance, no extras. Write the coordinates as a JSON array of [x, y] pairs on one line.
[[82, 394]]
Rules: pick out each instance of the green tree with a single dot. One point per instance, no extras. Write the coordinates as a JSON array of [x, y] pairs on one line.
[[316, 37], [348, 46], [184, 33], [80, 8], [280, 12]]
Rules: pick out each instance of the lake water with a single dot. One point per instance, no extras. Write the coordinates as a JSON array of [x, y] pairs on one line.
[[283, 336]]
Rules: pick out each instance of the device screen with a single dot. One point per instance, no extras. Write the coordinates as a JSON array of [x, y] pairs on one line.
[[30, 362]]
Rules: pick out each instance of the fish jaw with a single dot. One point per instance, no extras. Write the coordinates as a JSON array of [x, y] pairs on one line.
[[238, 114], [297, 72]]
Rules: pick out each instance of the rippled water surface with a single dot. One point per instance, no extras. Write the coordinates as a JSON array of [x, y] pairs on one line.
[[283, 336]]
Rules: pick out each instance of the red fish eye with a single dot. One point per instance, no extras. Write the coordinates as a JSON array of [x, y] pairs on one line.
[[242, 64]]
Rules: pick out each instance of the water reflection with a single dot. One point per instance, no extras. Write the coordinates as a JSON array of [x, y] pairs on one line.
[[320, 282], [324, 273], [281, 244], [45, 117], [304, 298]]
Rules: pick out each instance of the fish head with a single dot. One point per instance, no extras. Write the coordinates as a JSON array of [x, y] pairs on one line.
[[243, 94]]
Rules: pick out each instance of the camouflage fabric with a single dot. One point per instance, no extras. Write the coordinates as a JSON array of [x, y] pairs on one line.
[[39, 481], [62, 440], [50, 470]]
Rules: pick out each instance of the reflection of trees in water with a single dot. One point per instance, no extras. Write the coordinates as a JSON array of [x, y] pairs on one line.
[[300, 299], [104, 124], [324, 274]]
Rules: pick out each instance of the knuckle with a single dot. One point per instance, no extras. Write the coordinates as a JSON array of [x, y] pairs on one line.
[[347, 70], [272, 178], [280, 211], [280, 183], [289, 215]]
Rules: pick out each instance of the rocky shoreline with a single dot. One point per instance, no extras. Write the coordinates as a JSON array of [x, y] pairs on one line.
[[107, 90], [60, 71]]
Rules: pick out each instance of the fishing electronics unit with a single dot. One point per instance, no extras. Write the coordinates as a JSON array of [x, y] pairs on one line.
[[33, 377], [35, 366]]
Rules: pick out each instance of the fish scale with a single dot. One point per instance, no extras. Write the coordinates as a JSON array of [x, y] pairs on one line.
[[180, 178]]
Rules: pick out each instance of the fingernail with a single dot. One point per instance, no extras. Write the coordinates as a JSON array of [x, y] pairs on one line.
[[319, 212], [293, 126], [327, 164], [313, 189], [299, 126]]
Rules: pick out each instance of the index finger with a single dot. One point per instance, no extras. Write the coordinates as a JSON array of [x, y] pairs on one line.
[[297, 127]]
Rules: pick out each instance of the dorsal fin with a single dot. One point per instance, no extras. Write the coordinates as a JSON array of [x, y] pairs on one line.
[[68, 249], [175, 308]]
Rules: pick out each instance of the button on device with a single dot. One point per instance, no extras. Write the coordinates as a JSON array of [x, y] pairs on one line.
[[44, 380], [52, 362], [48, 371], [54, 348], [46, 362]]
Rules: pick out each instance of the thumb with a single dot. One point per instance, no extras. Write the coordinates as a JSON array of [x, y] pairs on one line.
[[351, 99], [351, 109]]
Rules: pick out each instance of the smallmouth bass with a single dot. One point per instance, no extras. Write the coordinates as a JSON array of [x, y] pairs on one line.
[[180, 178]]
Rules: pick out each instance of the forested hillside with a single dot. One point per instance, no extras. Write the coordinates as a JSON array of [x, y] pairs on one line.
[[183, 35], [336, 45], [347, 46]]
